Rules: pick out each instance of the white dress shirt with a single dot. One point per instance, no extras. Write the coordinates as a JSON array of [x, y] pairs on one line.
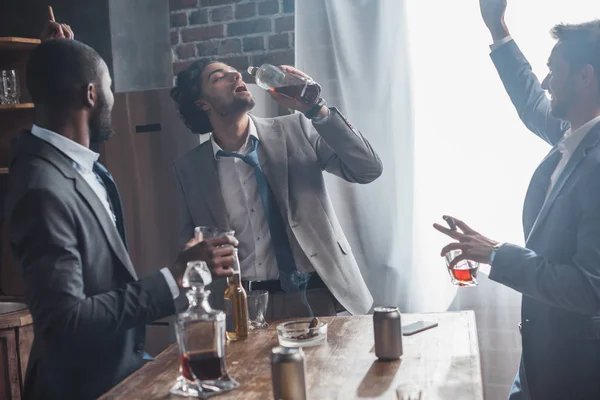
[[83, 161], [500, 42], [246, 214], [568, 145]]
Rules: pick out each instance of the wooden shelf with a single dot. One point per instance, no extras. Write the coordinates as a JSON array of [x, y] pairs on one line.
[[14, 54], [12, 299], [18, 106], [18, 43]]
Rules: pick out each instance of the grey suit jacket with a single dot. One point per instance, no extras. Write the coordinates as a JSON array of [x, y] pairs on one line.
[[558, 271], [89, 308], [293, 154]]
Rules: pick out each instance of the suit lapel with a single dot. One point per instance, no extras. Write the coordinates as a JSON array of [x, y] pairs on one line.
[[589, 142], [538, 188], [205, 185], [111, 232], [274, 159], [40, 148]]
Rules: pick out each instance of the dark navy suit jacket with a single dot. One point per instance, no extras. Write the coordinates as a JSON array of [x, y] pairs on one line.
[[558, 270]]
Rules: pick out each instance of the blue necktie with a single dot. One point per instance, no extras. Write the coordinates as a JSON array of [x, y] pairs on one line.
[[107, 180], [291, 280]]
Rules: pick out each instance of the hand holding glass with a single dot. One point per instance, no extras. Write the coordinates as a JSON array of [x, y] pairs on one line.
[[464, 273]]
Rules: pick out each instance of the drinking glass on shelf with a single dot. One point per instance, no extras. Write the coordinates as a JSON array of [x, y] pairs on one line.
[[10, 86], [257, 308], [3, 75], [464, 273]]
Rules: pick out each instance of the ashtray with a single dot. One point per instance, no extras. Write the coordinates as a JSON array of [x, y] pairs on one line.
[[302, 333]]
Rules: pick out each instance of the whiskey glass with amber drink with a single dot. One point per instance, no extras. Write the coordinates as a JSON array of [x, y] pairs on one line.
[[464, 273]]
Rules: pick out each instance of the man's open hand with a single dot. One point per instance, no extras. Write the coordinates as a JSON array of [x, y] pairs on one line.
[[473, 245]]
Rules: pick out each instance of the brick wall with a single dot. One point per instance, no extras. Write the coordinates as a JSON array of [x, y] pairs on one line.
[[237, 32]]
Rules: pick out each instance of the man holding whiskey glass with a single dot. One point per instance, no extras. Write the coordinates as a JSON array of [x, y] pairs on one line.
[[558, 270]]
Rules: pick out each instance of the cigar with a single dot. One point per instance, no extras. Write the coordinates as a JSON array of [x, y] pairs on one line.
[[51, 12], [451, 223]]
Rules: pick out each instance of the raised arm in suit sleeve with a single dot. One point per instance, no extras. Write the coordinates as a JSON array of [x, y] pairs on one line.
[[341, 149], [526, 93], [572, 286], [43, 235], [186, 223]]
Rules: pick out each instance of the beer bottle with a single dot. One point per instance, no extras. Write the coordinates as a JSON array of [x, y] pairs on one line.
[[236, 304]]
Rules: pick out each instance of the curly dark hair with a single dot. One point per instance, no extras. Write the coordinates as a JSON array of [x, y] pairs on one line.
[[187, 90]]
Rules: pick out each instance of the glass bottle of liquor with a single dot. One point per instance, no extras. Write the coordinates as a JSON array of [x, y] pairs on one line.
[[200, 332], [274, 79], [236, 304]]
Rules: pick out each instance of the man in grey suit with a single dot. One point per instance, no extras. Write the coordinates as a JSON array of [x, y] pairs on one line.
[[263, 178], [558, 270], [66, 231]]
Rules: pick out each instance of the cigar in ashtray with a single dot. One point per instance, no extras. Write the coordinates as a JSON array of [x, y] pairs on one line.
[[311, 333], [51, 12]]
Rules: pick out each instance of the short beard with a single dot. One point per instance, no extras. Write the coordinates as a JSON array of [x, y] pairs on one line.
[[101, 127], [562, 107], [560, 110], [235, 107]]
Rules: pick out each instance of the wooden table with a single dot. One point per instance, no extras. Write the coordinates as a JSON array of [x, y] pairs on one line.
[[443, 361]]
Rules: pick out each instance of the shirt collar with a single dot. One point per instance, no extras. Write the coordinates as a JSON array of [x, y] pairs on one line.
[[242, 150], [79, 154], [572, 139]]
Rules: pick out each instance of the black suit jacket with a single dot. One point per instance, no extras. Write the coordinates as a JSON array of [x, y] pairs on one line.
[[89, 308], [558, 272]]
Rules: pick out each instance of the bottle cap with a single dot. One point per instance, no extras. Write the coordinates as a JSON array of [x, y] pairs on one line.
[[252, 70]]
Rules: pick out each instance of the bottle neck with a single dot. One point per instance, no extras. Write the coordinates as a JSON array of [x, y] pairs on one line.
[[234, 280]]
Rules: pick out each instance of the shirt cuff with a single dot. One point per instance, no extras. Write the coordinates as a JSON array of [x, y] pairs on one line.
[[487, 267], [171, 282], [493, 253], [323, 120], [496, 45]]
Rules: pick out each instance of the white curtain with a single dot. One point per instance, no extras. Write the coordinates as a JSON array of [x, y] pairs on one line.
[[416, 78], [343, 45]]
